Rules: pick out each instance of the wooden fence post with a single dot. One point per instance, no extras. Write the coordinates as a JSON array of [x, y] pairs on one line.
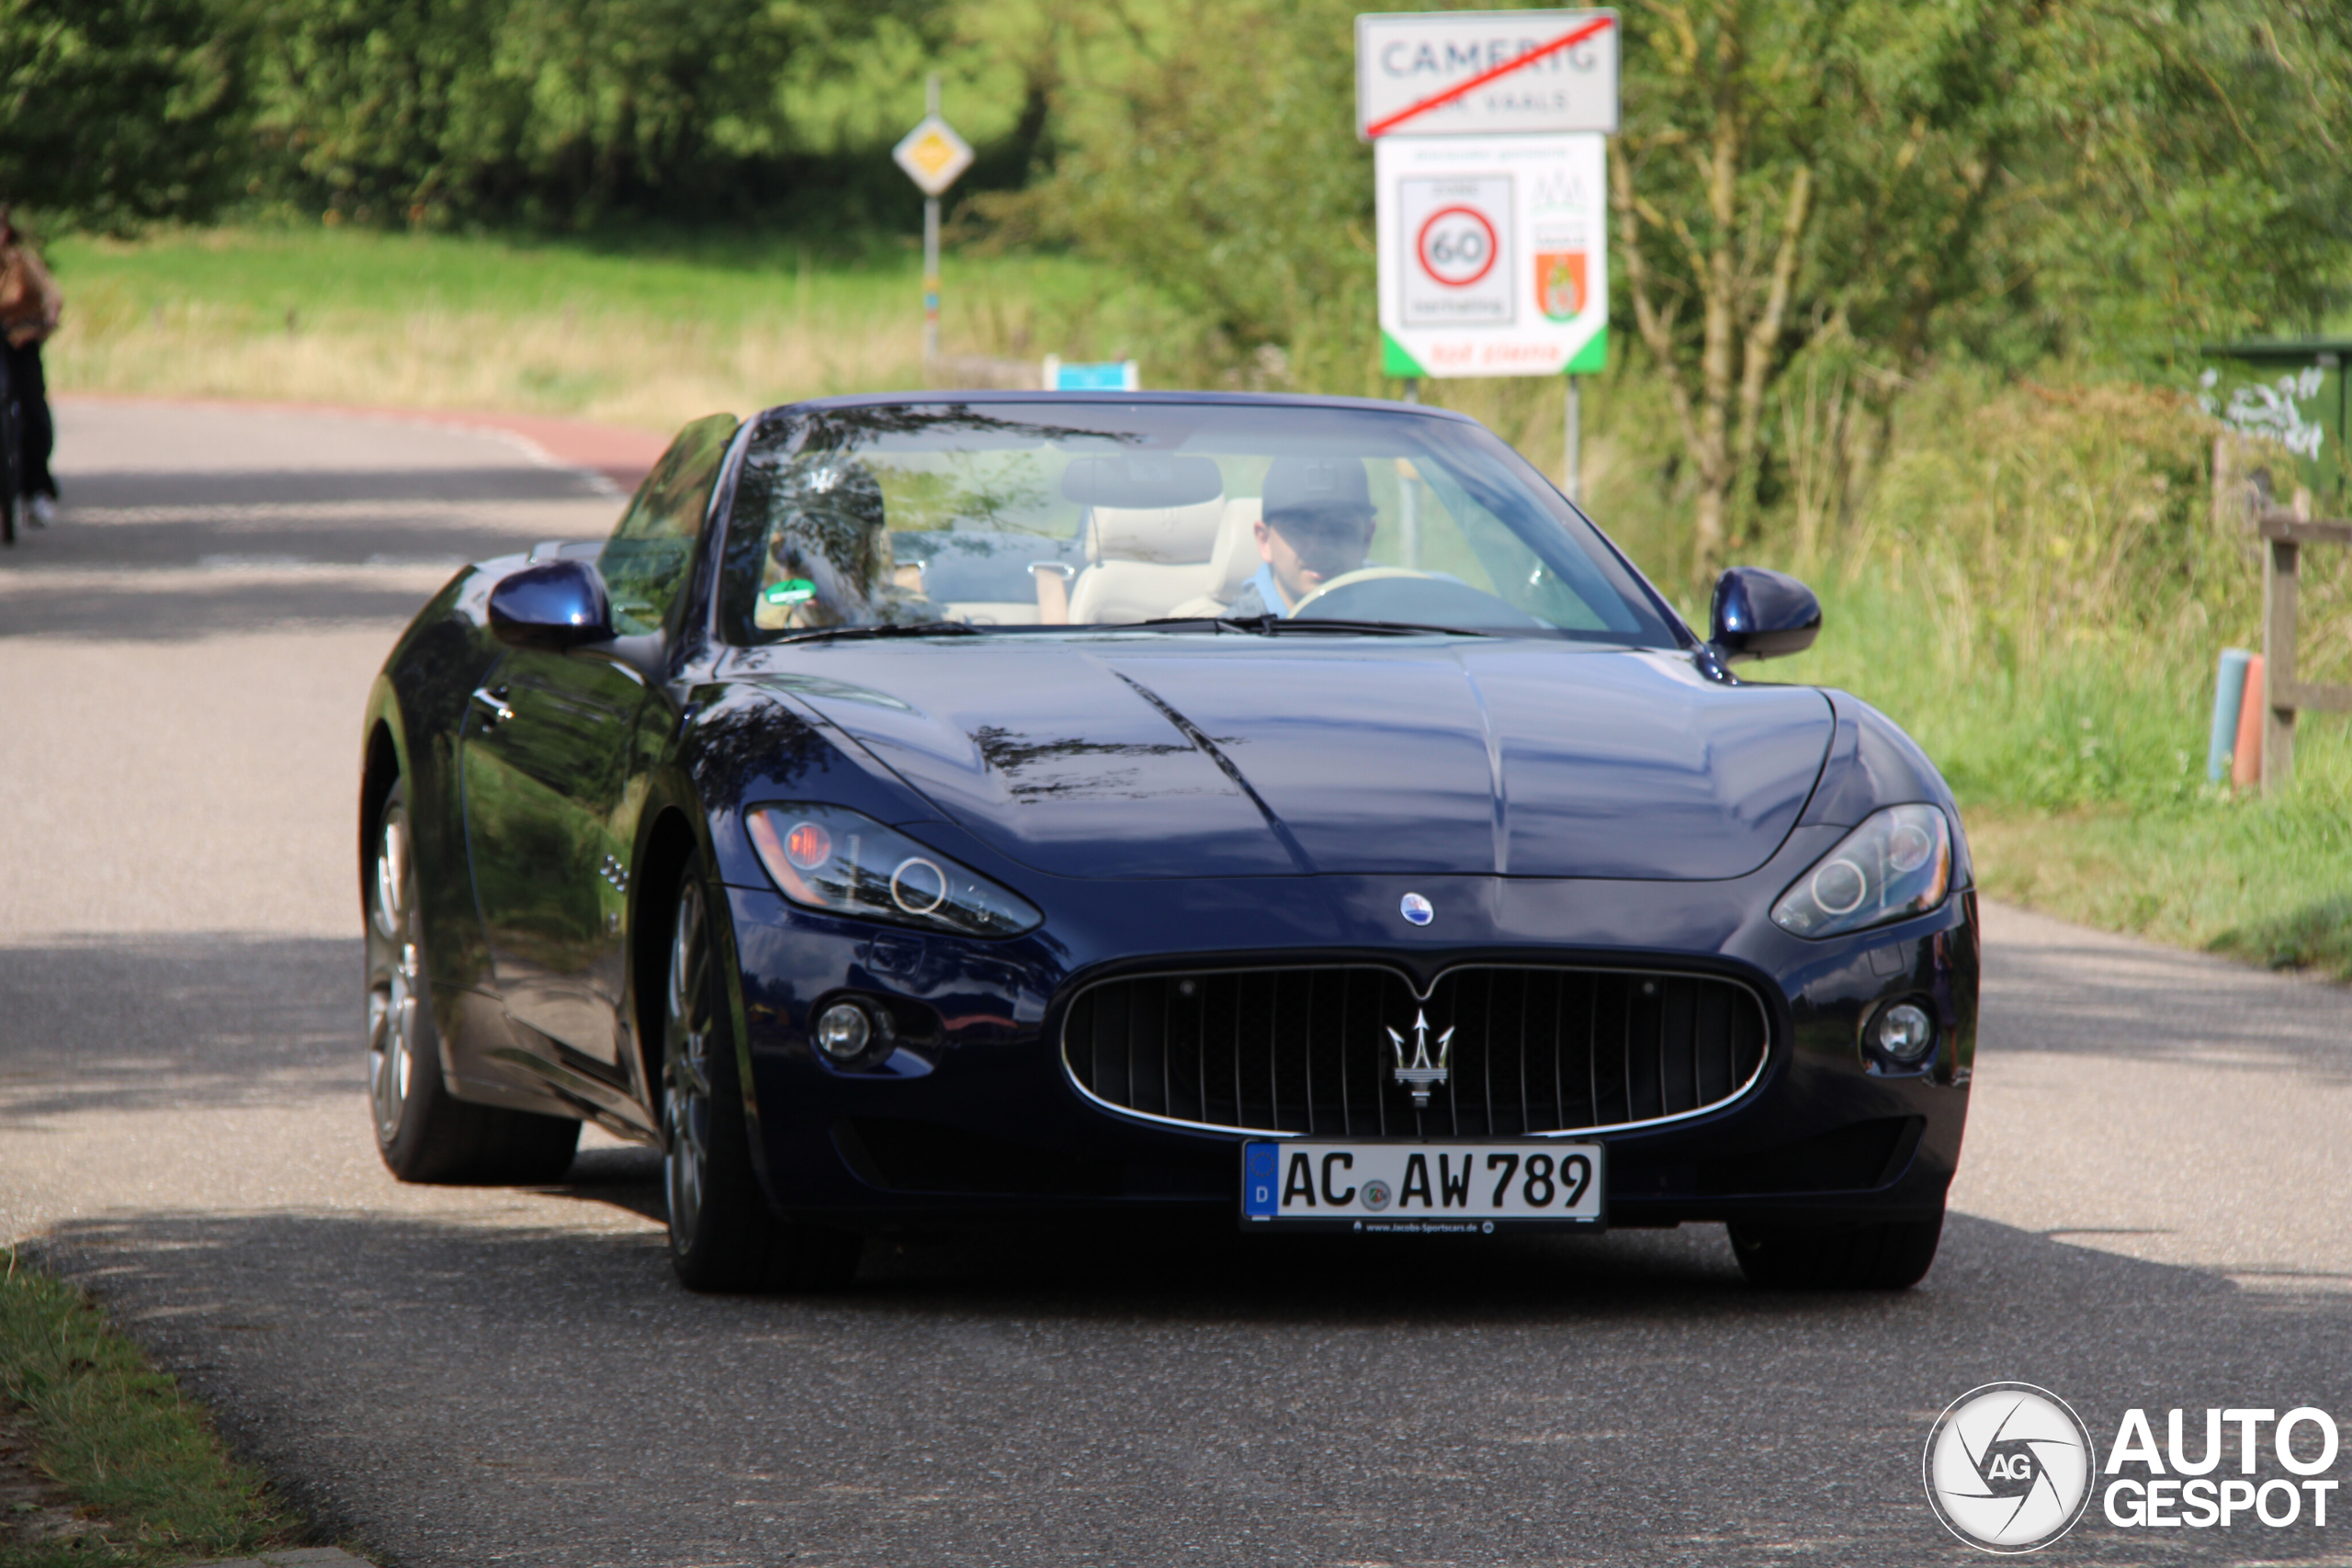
[[2279, 607], [2285, 530]]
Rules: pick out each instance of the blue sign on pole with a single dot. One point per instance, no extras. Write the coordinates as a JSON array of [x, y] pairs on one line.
[[1111, 376]]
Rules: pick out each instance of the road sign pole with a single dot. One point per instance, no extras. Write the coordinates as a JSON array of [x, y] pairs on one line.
[[933, 156], [1573, 463], [930, 280], [931, 247]]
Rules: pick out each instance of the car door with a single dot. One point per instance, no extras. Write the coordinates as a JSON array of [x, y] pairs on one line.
[[552, 781]]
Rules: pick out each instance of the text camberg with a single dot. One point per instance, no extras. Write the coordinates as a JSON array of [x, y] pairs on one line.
[[2182, 1487]]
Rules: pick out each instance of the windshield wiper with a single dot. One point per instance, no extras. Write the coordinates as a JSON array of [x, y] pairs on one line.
[[909, 628], [1271, 625], [1169, 623], [1322, 623]]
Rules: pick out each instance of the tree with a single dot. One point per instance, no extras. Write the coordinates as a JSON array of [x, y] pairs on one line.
[[563, 110], [115, 112], [1209, 146], [1869, 181]]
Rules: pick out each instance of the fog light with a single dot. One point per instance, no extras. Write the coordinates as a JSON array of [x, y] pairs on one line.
[[843, 1029], [1904, 1033]]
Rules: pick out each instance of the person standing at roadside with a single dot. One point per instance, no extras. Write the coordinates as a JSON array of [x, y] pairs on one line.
[[31, 307]]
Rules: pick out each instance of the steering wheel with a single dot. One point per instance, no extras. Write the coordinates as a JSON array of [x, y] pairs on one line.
[[1350, 579]]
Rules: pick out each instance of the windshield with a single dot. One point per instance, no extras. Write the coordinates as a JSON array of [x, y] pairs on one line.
[[1002, 513]]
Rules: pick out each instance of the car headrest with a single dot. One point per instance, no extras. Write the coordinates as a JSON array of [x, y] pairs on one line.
[[1237, 558], [1170, 536]]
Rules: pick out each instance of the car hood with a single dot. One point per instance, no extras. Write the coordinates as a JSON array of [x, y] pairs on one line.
[[1160, 756]]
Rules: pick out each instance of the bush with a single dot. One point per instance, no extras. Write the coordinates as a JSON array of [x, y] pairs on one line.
[[429, 112]]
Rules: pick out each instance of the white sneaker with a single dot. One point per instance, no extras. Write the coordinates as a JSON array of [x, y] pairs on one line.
[[43, 510]]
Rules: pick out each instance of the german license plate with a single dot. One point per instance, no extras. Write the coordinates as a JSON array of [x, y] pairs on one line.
[[1424, 1188]]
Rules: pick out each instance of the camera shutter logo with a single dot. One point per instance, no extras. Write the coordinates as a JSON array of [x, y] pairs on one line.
[[2009, 1467]]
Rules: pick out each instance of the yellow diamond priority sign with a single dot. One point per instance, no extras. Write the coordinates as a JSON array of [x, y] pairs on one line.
[[933, 155]]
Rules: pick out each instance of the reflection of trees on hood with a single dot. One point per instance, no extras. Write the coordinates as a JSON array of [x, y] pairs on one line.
[[752, 736]]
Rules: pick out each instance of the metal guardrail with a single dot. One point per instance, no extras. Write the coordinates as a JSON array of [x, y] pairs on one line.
[[2286, 530]]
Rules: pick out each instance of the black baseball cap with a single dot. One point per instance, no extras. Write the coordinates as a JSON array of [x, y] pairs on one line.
[[1308, 486]]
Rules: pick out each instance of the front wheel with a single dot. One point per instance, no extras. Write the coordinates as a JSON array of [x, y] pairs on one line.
[[423, 1132], [1887, 1255], [723, 1237]]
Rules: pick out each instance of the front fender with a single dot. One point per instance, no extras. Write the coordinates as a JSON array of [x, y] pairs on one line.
[[1871, 762], [419, 700]]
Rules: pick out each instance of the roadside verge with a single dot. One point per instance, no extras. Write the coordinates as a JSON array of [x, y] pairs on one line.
[[103, 1460]]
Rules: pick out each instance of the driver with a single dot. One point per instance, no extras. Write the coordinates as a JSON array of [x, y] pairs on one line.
[[1316, 524], [829, 560]]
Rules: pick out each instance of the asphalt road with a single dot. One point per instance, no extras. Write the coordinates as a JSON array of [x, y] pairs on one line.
[[2152, 1209]]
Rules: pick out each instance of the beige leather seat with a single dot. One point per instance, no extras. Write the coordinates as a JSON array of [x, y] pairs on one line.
[[1232, 564], [1141, 560]]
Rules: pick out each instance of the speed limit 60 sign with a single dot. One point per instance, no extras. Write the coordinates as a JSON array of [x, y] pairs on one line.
[[1493, 254], [1454, 230]]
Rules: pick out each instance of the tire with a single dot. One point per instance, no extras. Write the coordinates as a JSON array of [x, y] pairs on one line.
[[1891, 1254], [423, 1132], [723, 1235]]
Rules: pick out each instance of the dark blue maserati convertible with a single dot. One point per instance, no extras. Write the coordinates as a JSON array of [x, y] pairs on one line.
[[1286, 808]]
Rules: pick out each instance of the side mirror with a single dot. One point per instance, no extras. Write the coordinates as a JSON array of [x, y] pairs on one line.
[[559, 604], [1762, 614]]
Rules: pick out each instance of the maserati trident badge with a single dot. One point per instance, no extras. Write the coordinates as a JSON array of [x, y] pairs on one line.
[[1422, 1075], [1417, 909]]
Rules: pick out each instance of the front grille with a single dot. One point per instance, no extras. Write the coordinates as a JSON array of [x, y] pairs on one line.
[[1533, 1050]]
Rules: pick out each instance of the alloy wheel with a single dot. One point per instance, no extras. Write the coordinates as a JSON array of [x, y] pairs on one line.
[[394, 982], [686, 1067]]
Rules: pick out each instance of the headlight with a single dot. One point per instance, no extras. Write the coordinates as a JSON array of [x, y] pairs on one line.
[[1897, 864], [827, 858]]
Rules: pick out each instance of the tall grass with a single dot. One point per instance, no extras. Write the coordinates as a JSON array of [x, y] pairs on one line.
[[2039, 583]]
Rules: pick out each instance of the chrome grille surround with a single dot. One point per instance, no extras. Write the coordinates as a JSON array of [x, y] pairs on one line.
[[1539, 1050]]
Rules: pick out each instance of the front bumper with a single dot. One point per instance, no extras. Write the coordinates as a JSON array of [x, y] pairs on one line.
[[976, 1113]]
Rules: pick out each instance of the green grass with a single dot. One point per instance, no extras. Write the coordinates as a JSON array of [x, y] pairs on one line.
[[116, 1436], [2239, 878], [261, 273], [651, 331]]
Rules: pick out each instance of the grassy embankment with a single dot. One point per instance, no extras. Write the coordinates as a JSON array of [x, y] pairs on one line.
[[646, 332], [129, 1472], [2033, 585]]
